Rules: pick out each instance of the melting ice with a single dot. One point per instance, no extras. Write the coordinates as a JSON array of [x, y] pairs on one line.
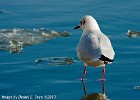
[[56, 60], [15, 39], [133, 33]]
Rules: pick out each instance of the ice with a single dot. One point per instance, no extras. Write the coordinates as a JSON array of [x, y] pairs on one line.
[[16, 39], [56, 60], [133, 33]]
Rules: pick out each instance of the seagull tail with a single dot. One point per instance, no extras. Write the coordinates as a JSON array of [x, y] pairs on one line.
[[106, 59]]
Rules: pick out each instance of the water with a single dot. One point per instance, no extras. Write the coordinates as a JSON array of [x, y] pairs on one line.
[[21, 76]]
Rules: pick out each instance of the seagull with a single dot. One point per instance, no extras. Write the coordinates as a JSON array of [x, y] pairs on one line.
[[94, 47]]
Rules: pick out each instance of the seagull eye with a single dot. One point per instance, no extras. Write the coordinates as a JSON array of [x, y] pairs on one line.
[[81, 22], [84, 22]]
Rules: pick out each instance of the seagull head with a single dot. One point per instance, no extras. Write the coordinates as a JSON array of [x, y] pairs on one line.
[[88, 24]]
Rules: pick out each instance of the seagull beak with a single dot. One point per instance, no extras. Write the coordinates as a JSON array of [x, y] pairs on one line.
[[77, 27]]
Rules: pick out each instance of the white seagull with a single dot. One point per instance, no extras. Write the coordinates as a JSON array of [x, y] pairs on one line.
[[94, 47]]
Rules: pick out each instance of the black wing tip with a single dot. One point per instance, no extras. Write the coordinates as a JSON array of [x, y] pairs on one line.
[[105, 59]]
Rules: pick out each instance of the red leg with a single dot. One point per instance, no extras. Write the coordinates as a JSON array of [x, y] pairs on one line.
[[84, 72], [84, 88], [103, 86], [103, 72]]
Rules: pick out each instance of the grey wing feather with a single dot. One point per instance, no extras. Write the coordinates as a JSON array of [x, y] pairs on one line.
[[89, 48], [106, 47]]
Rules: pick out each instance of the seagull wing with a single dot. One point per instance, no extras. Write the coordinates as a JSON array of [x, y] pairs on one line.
[[95, 47], [89, 48], [106, 48]]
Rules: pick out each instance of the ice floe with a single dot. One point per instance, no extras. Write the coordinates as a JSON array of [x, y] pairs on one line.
[[15, 39]]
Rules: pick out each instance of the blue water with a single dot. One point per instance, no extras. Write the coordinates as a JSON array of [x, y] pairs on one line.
[[20, 75]]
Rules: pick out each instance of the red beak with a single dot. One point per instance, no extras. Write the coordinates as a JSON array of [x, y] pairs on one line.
[[77, 27]]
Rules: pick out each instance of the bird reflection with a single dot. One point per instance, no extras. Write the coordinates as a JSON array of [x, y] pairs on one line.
[[94, 96]]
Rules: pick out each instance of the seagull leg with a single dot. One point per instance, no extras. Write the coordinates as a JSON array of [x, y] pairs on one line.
[[84, 72], [84, 88], [103, 87], [103, 72]]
